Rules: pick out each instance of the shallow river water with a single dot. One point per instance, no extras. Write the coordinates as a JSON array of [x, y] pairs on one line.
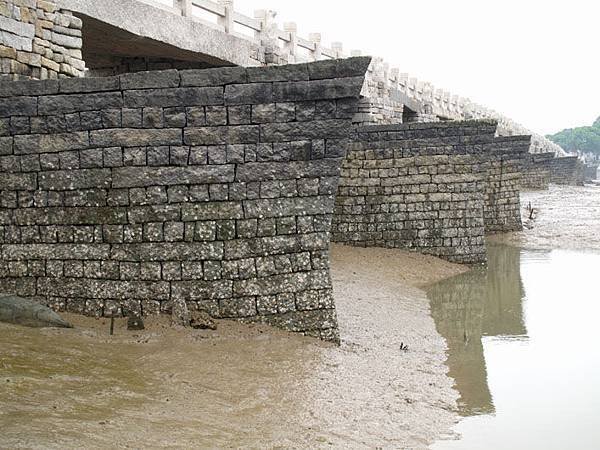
[[524, 349]]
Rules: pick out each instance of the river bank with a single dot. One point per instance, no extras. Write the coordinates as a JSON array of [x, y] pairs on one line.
[[242, 386]]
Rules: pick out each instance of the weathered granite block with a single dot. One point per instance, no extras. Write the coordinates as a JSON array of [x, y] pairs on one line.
[[149, 80], [214, 77], [416, 186], [18, 106], [80, 85], [27, 87], [187, 96], [60, 104], [239, 134], [133, 191], [248, 94], [131, 137], [74, 179], [51, 143], [167, 176]]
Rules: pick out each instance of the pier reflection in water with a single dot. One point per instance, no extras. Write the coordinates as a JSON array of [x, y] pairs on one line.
[[523, 350], [481, 302]]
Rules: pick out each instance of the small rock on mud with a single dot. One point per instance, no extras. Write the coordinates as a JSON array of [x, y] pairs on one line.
[[200, 320], [135, 323]]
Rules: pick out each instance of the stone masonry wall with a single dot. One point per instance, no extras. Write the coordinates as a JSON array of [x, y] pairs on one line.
[[418, 187], [505, 160], [536, 171], [591, 171], [39, 41], [568, 170], [114, 65], [215, 187]]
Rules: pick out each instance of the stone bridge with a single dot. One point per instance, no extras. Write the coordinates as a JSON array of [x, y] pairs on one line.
[[120, 36], [220, 187]]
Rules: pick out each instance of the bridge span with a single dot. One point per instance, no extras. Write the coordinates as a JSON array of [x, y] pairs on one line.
[[148, 170], [126, 35]]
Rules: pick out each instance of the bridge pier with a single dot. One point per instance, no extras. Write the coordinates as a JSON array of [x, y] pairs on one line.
[[221, 187], [435, 188], [215, 187]]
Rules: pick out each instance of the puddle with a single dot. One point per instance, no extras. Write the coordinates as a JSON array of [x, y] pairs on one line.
[[524, 349]]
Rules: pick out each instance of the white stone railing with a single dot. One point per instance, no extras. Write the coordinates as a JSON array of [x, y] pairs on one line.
[[284, 46], [262, 28]]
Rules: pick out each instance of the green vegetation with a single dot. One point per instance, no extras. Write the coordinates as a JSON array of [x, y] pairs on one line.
[[582, 139]]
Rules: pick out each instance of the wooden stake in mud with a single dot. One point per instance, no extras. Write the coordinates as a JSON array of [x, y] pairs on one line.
[[112, 325]]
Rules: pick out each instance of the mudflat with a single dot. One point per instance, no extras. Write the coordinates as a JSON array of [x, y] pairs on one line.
[[242, 385], [564, 217]]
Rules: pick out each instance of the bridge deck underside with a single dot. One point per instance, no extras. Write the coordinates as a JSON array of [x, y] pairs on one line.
[[105, 45]]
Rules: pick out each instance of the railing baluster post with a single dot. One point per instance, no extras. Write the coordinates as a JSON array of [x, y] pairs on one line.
[[338, 49], [403, 83], [267, 36], [185, 6], [292, 45], [227, 20], [315, 38], [386, 76], [394, 74]]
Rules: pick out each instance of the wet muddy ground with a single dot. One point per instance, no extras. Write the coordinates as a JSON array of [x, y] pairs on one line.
[[249, 386], [564, 217], [241, 386]]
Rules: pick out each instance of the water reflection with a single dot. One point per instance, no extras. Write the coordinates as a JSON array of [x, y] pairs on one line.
[[486, 301], [523, 349]]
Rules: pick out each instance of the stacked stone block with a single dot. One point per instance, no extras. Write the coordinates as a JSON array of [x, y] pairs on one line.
[[416, 186], [567, 170], [591, 171], [38, 40], [375, 111], [536, 171], [105, 66], [504, 159], [216, 187]]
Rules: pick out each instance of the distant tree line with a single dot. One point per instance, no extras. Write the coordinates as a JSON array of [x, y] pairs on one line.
[[581, 139]]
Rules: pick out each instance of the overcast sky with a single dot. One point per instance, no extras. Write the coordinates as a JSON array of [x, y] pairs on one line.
[[538, 62]]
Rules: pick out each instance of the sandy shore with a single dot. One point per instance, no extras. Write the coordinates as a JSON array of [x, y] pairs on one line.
[[242, 386]]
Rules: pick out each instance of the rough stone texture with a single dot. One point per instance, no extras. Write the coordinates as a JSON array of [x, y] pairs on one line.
[[109, 207], [506, 157], [417, 186], [38, 40], [108, 65], [568, 170], [591, 171], [542, 169], [536, 171]]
